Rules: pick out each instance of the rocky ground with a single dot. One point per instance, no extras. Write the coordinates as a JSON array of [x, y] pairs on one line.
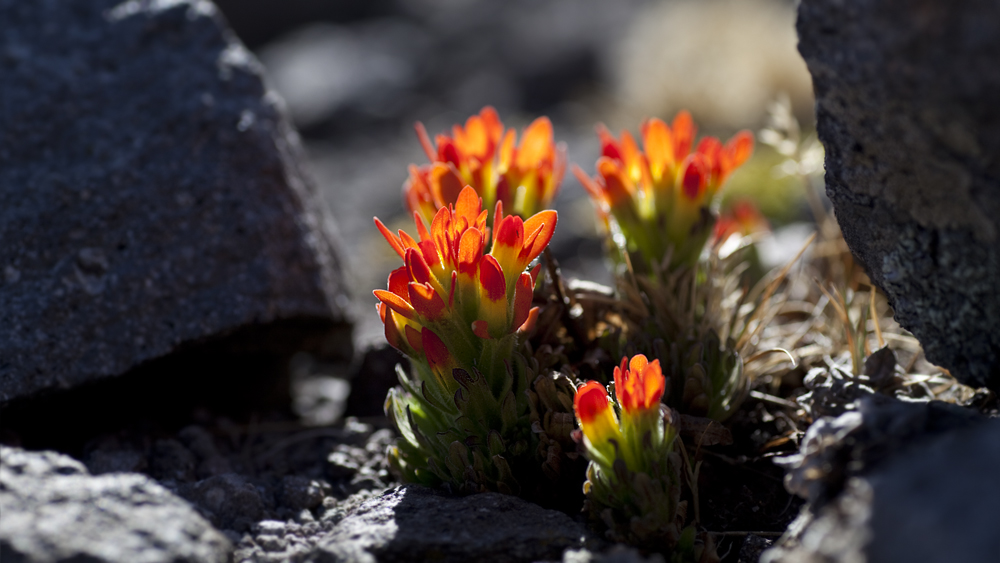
[[190, 369]]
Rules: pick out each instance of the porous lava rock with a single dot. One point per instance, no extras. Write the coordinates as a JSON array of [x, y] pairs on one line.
[[151, 196], [936, 501], [906, 107], [413, 523], [54, 511]]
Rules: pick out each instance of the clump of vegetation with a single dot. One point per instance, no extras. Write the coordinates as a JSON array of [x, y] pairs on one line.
[[496, 398]]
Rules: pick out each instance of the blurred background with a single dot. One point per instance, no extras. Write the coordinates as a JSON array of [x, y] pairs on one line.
[[356, 75]]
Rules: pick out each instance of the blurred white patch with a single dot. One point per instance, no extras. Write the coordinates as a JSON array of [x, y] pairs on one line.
[[723, 60]]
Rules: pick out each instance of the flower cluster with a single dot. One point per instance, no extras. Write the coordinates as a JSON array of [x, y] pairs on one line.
[[448, 286], [455, 310], [659, 200], [523, 177], [633, 481]]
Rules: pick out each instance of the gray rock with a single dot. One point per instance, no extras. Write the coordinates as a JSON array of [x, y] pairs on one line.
[[906, 107], [412, 523], [298, 492], [54, 511], [230, 501], [152, 195], [873, 431], [938, 501]]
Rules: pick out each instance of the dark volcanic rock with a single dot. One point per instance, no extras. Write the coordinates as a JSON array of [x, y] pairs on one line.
[[151, 195], [906, 106], [936, 502], [231, 501], [53, 511], [412, 523]]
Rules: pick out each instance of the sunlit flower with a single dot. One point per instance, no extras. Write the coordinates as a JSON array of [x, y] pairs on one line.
[[639, 385], [451, 292], [661, 198], [596, 417], [523, 176], [633, 476]]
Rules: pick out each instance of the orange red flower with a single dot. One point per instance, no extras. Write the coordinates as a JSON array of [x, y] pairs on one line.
[[595, 414], [659, 197], [523, 176], [450, 289], [639, 385]]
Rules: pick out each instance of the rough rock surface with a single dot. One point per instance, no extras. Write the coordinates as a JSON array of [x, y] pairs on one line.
[[937, 501], [906, 106], [413, 523], [53, 510], [151, 194]]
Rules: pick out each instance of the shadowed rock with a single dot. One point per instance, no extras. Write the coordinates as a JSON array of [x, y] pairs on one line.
[[54, 511], [151, 200], [413, 523], [906, 106], [936, 501]]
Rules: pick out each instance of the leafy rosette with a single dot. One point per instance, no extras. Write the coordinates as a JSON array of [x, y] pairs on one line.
[[456, 310], [524, 176], [633, 480], [659, 200]]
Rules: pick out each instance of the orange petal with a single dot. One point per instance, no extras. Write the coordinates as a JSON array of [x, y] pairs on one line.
[[738, 150], [536, 144], [684, 131], [695, 176], [529, 323], [617, 188], [595, 191], [507, 150], [394, 241], [638, 363], [508, 240], [414, 339], [523, 292], [437, 354], [425, 141], [711, 149], [421, 227], [398, 280], [590, 401], [426, 301], [470, 252], [491, 280], [491, 120], [447, 151], [395, 302], [659, 145], [446, 185], [417, 267], [609, 146], [595, 414], [654, 385], [468, 205], [630, 153], [540, 226]]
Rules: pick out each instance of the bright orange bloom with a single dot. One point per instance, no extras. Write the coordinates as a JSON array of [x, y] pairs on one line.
[[640, 385], [523, 177], [658, 197], [448, 287], [595, 413]]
